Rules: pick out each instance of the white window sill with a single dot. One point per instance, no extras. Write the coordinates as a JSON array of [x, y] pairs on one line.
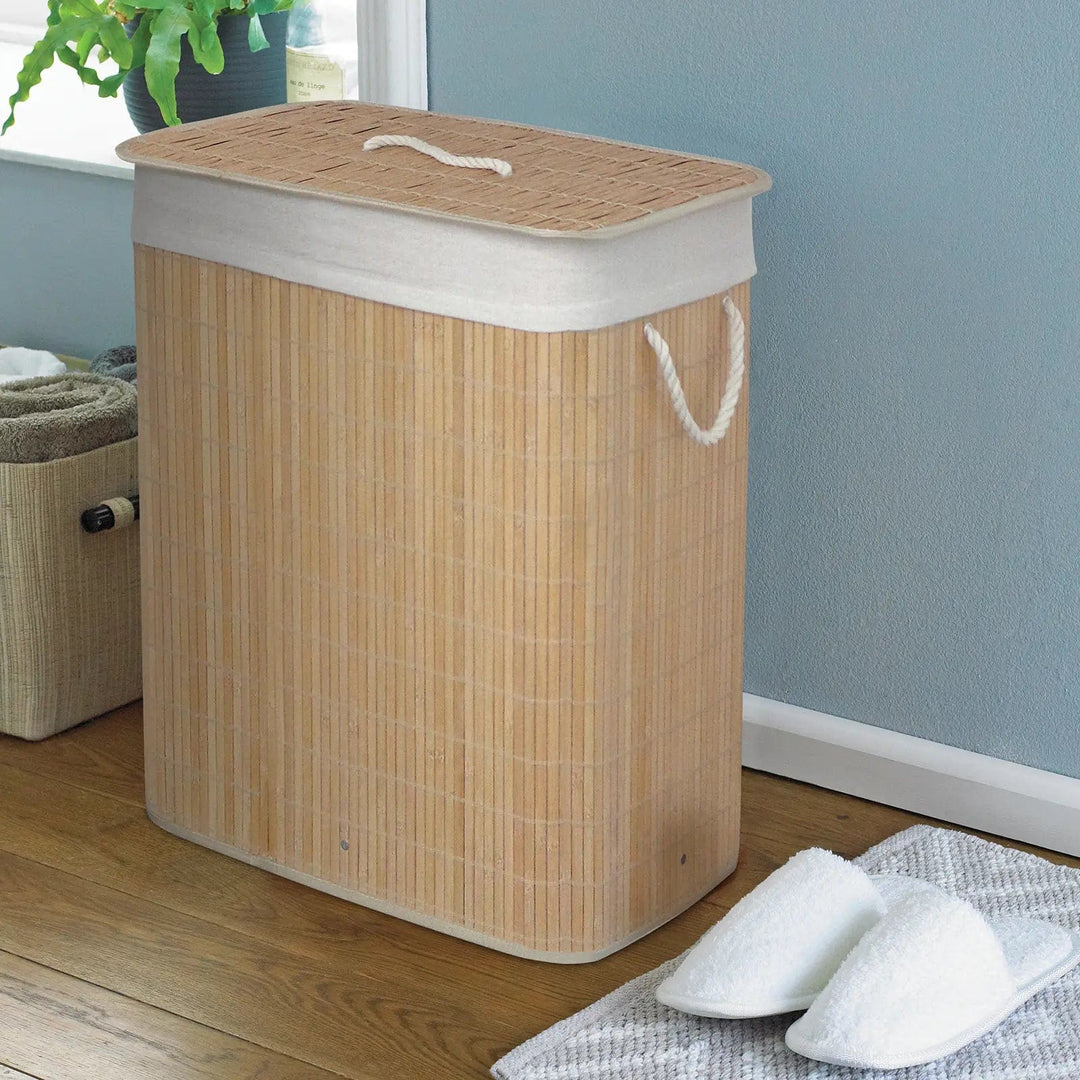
[[64, 124]]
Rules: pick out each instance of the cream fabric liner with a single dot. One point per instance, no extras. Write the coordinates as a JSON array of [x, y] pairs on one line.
[[527, 280]]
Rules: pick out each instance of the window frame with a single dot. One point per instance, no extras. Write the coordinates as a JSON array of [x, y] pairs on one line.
[[391, 36], [78, 132], [392, 42]]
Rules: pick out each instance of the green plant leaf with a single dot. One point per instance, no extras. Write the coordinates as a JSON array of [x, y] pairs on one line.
[[37, 60], [140, 40], [213, 58], [85, 8], [205, 43], [256, 38], [61, 30], [116, 42], [163, 59], [86, 45], [67, 55], [110, 86], [107, 87], [96, 28]]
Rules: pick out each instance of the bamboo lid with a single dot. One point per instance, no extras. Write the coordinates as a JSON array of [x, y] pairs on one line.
[[559, 182]]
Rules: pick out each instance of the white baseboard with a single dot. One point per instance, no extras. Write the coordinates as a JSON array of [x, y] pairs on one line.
[[959, 786]]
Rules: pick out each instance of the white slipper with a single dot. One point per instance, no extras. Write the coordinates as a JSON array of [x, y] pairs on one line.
[[930, 977], [780, 944]]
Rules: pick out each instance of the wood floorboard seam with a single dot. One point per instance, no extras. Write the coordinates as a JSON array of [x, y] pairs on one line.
[[371, 979], [372, 986], [92, 1014], [154, 1005], [11, 1072], [53, 779], [220, 926], [382, 929], [161, 1009], [295, 950]]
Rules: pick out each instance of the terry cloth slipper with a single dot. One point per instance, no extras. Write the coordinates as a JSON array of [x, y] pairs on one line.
[[780, 944], [930, 977]]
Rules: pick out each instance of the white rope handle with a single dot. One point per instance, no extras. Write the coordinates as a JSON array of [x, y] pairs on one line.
[[736, 368], [496, 165]]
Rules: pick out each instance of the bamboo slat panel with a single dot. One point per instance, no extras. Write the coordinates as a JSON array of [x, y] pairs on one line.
[[560, 182], [439, 616]]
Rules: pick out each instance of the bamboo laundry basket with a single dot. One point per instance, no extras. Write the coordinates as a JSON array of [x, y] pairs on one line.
[[442, 604], [69, 600]]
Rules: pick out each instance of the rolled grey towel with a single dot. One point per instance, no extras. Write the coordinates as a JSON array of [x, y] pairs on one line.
[[119, 362], [57, 416]]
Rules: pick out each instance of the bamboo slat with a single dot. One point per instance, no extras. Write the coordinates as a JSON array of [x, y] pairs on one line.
[[441, 617]]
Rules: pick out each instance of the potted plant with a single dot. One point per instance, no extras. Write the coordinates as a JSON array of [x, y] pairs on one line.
[[169, 55]]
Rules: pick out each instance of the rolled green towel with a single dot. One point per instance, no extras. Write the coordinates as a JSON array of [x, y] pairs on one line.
[[119, 362], [57, 416]]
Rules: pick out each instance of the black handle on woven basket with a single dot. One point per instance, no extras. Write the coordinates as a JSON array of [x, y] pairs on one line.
[[99, 518]]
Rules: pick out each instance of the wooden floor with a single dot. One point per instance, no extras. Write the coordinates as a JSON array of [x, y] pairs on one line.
[[126, 953]]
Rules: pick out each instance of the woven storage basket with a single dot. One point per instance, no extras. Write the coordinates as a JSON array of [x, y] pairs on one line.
[[69, 600], [443, 607]]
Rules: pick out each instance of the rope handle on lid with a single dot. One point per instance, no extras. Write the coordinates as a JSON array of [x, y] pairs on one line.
[[496, 165], [736, 368]]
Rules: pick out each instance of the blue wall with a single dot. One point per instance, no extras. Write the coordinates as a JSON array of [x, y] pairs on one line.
[[914, 530], [65, 260]]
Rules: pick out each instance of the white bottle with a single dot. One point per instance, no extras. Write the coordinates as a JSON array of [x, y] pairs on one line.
[[320, 52]]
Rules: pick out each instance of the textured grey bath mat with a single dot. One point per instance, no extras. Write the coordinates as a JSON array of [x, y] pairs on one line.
[[628, 1036]]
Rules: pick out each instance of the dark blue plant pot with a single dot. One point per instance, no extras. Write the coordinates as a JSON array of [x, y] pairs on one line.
[[249, 81]]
